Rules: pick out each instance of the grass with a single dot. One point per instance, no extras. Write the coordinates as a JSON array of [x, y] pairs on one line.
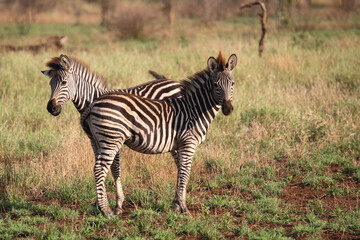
[[283, 165]]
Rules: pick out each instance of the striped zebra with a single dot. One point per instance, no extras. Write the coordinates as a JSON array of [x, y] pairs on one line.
[[72, 80], [175, 125]]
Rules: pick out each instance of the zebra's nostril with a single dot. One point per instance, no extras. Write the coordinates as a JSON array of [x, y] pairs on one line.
[[53, 108], [227, 107]]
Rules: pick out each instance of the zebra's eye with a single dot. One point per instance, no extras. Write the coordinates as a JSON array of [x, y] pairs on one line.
[[63, 83]]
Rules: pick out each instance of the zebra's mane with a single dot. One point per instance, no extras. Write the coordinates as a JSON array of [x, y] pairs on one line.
[[195, 81], [81, 68], [199, 79]]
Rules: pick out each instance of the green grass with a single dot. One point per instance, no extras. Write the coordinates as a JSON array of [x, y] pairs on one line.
[[283, 165], [345, 221]]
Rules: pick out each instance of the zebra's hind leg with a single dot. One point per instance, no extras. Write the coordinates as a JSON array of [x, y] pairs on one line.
[[115, 170], [101, 168], [185, 157], [104, 160], [95, 150]]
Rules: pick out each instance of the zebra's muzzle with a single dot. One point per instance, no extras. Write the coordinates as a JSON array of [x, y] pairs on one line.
[[227, 107], [53, 108]]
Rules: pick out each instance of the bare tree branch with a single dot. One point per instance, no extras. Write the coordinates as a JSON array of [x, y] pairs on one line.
[[263, 16]]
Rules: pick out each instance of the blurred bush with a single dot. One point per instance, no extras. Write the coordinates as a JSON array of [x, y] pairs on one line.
[[132, 20], [208, 10], [26, 11]]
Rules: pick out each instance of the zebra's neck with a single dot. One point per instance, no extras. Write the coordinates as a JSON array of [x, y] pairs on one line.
[[199, 103], [89, 85], [86, 93]]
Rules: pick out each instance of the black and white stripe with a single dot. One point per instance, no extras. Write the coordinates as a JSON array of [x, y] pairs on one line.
[[176, 125], [72, 80]]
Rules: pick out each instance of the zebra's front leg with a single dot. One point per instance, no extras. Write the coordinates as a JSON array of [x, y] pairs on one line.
[[175, 205], [115, 170], [185, 157], [101, 168], [96, 153]]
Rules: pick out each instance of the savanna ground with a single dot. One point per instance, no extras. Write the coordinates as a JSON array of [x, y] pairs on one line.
[[283, 165]]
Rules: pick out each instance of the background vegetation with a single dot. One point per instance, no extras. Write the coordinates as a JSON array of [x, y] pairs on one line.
[[283, 165]]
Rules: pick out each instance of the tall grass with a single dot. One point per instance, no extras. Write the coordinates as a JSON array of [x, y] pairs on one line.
[[299, 102]]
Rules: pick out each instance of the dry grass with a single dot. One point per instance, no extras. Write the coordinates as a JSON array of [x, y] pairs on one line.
[[300, 102]]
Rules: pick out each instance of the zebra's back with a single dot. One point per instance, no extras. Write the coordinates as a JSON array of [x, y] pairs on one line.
[[157, 89]]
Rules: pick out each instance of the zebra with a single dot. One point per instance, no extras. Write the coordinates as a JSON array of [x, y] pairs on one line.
[[53, 42], [175, 125], [73, 80]]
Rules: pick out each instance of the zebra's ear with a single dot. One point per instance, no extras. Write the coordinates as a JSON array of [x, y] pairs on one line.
[[212, 64], [63, 40], [231, 64], [50, 73], [65, 62]]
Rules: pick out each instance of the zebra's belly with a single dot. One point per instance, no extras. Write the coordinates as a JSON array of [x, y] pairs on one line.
[[150, 145]]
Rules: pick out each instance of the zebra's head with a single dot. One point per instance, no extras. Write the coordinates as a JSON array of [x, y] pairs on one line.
[[222, 80], [62, 83]]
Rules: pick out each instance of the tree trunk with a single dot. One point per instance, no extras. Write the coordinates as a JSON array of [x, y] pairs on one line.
[[105, 6]]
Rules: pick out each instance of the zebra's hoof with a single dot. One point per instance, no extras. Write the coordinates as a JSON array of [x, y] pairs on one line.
[[109, 216], [175, 207], [187, 213], [118, 211], [108, 213], [95, 204]]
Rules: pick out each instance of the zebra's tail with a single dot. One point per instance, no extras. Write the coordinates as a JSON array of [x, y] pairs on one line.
[[156, 75]]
